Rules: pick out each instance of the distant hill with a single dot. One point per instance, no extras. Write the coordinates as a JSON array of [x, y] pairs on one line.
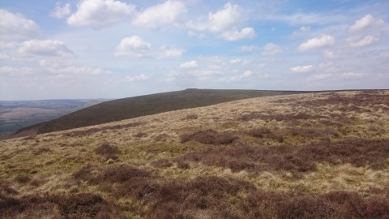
[[133, 107]]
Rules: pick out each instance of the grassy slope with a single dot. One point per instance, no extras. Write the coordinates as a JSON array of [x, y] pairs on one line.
[[133, 107], [322, 155]]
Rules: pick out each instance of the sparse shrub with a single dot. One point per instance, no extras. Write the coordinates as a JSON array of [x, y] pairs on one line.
[[6, 190], [85, 173], [42, 151], [205, 137], [122, 174], [35, 183], [277, 136], [210, 137], [226, 137], [161, 137], [140, 135], [22, 179], [259, 132], [190, 117], [108, 151], [250, 116], [278, 117], [227, 197], [162, 163], [296, 159], [183, 165], [82, 205]]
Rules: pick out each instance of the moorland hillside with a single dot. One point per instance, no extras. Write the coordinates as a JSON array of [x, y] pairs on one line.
[[320, 155], [133, 107]]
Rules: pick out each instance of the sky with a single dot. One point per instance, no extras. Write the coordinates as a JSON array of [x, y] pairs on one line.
[[83, 49]]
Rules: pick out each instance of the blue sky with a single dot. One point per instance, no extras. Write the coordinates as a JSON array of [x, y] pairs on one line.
[[114, 49]]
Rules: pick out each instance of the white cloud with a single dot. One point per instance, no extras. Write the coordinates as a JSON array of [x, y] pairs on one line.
[[6, 69], [303, 30], [23, 71], [214, 67], [235, 61], [60, 11], [78, 70], [368, 40], [351, 75], [325, 65], [172, 52], [44, 48], [271, 49], [135, 46], [3, 56], [319, 77], [141, 77], [248, 48], [303, 18], [367, 22], [323, 40], [55, 69], [223, 20], [301, 69], [332, 54], [99, 13], [170, 12], [234, 35], [189, 65], [192, 34], [15, 26], [246, 74]]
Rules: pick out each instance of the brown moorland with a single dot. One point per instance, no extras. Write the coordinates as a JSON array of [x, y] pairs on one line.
[[321, 155]]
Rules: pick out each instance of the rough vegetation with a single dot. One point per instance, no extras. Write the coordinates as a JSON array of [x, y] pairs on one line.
[[323, 155], [133, 107]]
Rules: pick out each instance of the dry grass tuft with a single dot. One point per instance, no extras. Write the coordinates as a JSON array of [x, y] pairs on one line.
[[42, 151], [108, 151], [140, 135], [190, 117]]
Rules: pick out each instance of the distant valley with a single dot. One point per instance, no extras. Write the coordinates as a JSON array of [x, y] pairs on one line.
[[15, 115]]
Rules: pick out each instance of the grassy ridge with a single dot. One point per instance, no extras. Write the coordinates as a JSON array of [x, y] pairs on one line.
[[133, 107]]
